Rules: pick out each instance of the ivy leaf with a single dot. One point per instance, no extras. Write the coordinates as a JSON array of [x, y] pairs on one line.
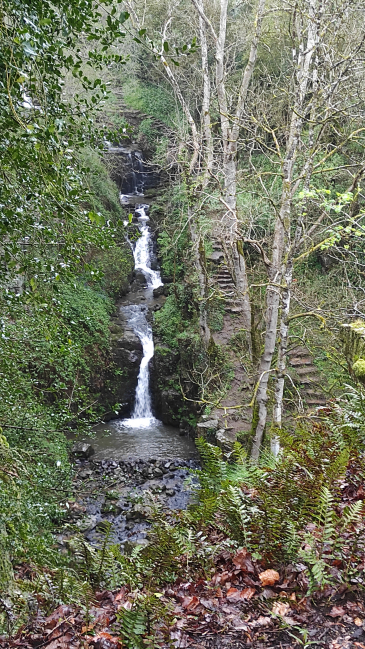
[[124, 15]]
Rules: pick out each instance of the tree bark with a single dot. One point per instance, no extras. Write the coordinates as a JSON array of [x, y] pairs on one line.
[[282, 226]]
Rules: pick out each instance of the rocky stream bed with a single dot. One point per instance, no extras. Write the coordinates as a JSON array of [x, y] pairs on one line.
[[124, 494]]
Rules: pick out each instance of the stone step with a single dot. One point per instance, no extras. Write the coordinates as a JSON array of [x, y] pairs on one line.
[[215, 257], [306, 369], [310, 392], [300, 360], [233, 309], [298, 351], [224, 278], [225, 282], [316, 402], [308, 380]]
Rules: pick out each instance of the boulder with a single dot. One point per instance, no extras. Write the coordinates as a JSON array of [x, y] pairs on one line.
[[87, 523], [82, 450], [158, 291], [211, 424], [140, 277]]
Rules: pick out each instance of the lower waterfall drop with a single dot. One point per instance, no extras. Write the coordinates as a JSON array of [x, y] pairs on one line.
[[142, 413]]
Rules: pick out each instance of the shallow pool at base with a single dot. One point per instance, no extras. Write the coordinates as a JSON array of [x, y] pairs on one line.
[[142, 438]]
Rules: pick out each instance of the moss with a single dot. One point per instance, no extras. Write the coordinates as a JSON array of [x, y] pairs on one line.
[[358, 369]]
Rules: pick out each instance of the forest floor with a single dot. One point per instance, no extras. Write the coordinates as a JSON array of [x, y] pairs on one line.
[[206, 616]]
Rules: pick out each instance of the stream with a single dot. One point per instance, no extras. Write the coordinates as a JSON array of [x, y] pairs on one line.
[[142, 435], [138, 461]]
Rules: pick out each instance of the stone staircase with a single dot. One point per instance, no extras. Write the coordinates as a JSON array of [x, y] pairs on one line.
[[224, 280], [305, 375]]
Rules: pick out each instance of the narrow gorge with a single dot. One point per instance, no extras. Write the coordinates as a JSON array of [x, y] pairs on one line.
[[134, 462]]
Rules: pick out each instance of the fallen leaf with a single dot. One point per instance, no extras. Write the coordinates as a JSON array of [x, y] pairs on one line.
[[233, 593], [207, 603], [243, 561], [247, 593], [337, 611], [190, 603], [121, 595], [269, 577], [59, 614], [127, 605], [280, 608], [239, 624], [261, 621], [61, 643], [358, 621], [106, 641], [179, 639]]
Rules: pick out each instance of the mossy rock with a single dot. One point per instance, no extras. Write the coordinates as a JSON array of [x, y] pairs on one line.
[[358, 369]]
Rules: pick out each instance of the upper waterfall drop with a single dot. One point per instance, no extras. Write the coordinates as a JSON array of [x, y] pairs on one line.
[[142, 250]]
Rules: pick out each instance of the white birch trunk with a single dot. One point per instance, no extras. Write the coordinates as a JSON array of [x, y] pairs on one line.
[[282, 229], [202, 278]]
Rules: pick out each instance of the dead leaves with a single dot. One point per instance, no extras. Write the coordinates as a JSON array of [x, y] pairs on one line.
[[242, 560], [269, 577]]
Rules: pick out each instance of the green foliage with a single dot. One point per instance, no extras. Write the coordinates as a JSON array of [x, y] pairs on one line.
[[358, 369], [115, 266], [153, 100], [169, 321], [269, 508], [103, 197], [133, 627], [43, 195]]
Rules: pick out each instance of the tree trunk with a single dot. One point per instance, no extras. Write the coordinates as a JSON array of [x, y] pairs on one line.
[[199, 262], [281, 242], [282, 353]]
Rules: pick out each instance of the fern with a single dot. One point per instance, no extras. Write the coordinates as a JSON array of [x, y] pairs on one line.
[[133, 627], [352, 515]]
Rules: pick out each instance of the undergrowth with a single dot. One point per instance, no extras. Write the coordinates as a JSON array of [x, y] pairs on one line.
[[305, 505]]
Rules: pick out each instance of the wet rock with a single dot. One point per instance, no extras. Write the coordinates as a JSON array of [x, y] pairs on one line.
[[111, 508], [225, 438], [158, 291], [139, 512], [170, 492], [129, 546], [87, 523], [82, 450], [211, 424], [85, 473], [140, 277]]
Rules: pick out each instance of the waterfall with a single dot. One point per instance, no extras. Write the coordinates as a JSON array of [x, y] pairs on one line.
[[142, 413], [143, 248], [142, 416], [140, 172], [133, 174]]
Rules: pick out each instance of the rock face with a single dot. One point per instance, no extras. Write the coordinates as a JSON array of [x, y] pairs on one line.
[[127, 355], [82, 450], [168, 400]]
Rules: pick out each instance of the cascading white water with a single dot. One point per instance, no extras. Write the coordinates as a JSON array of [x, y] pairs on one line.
[[142, 413], [142, 250], [142, 416]]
